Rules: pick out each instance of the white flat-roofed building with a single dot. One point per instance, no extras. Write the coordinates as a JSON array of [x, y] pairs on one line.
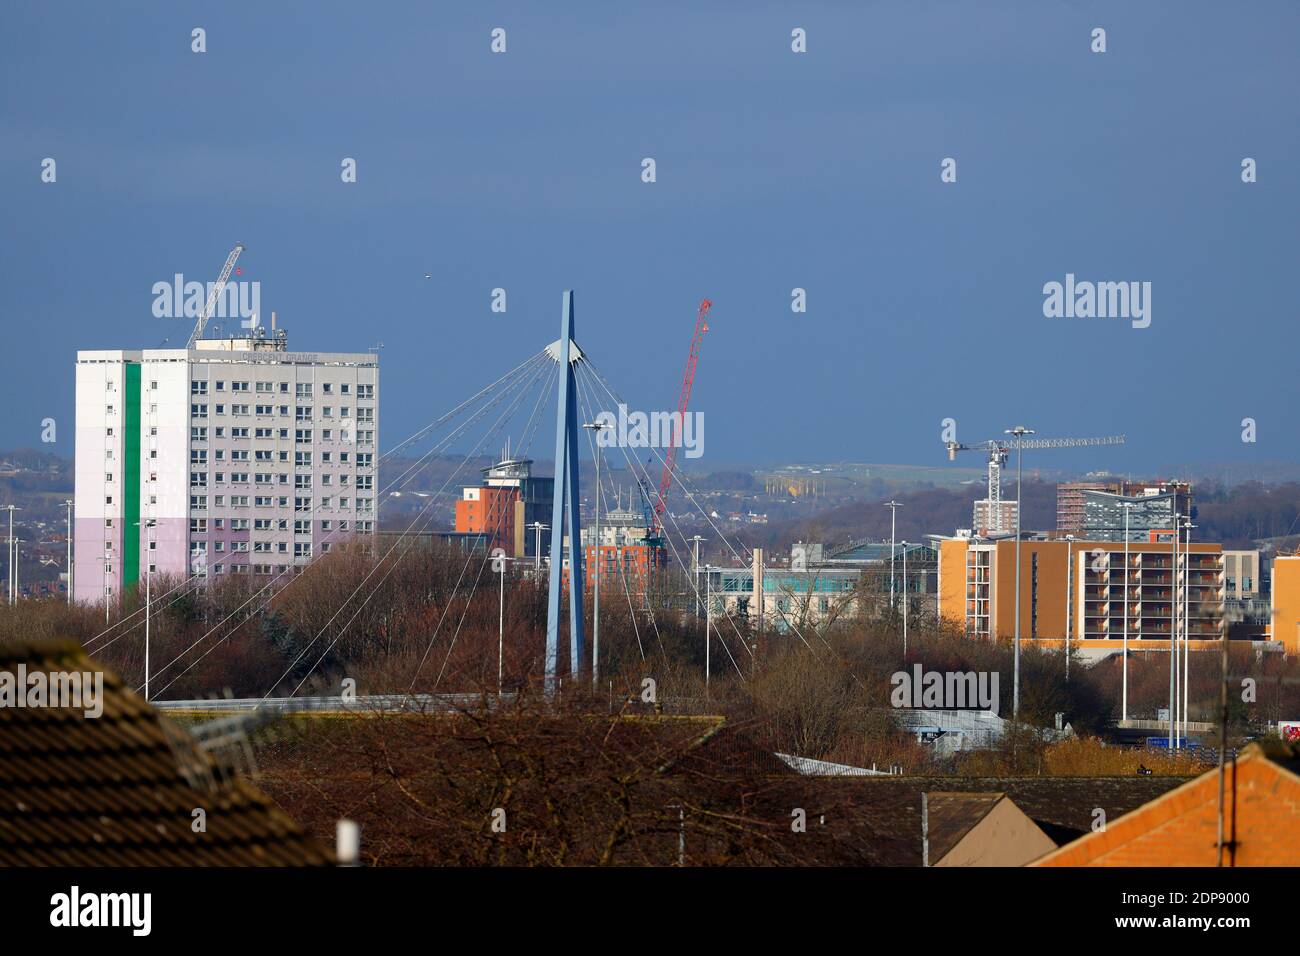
[[233, 457]]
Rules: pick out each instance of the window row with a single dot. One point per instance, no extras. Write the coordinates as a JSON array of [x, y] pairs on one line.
[[199, 502]]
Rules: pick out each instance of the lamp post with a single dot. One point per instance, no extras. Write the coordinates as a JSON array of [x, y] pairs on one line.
[[538, 527], [13, 553], [893, 507], [1187, 624], [1020, 431], [708, 620], [147, 523], [105, 560], [1069, 598], [904, 599], [695, 570], [1179, 633], [69, 504], [596, 427], [1187, 647], [501, 625], [1173, 623], [1180, 716], [1127, 506], [499, 561]]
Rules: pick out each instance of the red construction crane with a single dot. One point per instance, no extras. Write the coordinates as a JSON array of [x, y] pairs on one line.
[[688, 380]]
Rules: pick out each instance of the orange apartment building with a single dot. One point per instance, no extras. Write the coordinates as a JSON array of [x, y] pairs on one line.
[[503, 507], [1082, 588], [635, 564], [489, 511], [631, 552], [1286, 602]]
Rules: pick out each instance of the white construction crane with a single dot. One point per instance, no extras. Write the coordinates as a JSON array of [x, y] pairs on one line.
[[213, 294], [998, 450]]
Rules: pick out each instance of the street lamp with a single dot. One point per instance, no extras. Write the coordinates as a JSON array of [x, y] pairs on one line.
[[1187, 622], [1069, 595], [1020, 431], [597, 427], [893, 507], [69, 504], [104, 560], [499, 565], [904, 599], [708, 619], [146, 523], [1174, 601], [501, 631], [17, 542], [13, 553], [538, 528], [695, 570], [1175, 671], [1127, 506]]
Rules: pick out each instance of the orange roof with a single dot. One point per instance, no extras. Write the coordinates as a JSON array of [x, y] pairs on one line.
[[1261, 815]]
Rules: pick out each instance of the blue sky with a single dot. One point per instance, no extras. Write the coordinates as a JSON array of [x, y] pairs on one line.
[[775, 170]]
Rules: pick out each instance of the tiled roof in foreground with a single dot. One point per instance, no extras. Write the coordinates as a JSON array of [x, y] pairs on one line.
[[1260, 814], [121, 789], [1064, 808]]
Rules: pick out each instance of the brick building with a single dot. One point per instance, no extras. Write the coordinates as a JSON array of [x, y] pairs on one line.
[[505, 505]]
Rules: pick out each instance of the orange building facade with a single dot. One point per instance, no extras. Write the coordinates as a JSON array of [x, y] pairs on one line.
[[632, 564], [1286, 602], [1084, 590], [491, 511]]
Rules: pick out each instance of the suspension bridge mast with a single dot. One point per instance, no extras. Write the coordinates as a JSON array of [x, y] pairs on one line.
[[565, 515]]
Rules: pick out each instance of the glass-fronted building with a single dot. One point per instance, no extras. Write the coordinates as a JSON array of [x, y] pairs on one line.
[[1104, 515]]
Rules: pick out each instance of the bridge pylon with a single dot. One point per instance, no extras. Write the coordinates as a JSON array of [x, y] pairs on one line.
[[566, 520]]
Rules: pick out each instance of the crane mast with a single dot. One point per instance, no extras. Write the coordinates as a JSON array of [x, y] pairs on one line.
[[683, 401], [213, 294]]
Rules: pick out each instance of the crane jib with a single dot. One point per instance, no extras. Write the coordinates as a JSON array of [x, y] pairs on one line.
[[683, 401], [214, 293]]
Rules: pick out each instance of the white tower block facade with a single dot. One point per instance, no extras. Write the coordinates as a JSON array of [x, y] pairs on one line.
[[235, 457]]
